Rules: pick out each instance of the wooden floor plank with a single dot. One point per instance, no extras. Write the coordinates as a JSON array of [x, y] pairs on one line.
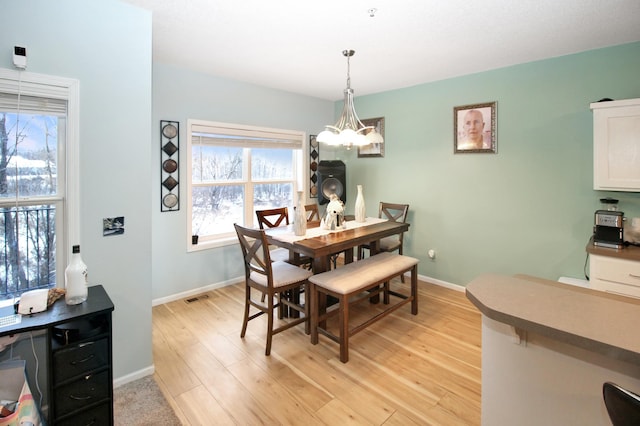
[[403, 370]]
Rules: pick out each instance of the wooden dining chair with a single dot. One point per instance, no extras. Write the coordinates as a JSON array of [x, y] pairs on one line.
[[313, 214], [272, 218], [395, 213], [275, 279]]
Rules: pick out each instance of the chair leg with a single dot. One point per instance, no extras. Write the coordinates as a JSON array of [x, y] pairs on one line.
[[314, 300], [245, 320], [400, 253], [270, 313]]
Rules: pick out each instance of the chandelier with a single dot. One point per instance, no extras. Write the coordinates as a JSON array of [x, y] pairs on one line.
[[349, 130]]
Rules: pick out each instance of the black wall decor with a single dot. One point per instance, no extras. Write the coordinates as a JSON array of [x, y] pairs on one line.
[[314, 157], [169, 162]]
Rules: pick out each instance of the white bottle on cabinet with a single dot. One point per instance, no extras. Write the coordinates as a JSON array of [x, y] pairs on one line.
[[76, 279]]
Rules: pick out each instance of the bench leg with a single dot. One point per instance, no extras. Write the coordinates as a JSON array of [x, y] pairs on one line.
[[307, 308], [385, 296], [344, 327], [414, 290], [313, 296]]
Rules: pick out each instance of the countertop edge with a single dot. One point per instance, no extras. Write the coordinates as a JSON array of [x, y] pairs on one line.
[[582, 340], [628, 252]]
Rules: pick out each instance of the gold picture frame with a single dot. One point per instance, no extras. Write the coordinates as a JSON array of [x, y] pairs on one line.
[[474, 128], [374, 149]]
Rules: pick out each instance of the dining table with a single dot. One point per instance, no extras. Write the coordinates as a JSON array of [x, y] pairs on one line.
[[320, 244]]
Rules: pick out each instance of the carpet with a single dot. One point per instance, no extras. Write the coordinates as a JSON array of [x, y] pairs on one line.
[[141, 403]]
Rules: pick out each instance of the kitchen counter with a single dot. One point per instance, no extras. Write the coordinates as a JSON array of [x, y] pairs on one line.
[[590, 319], [628, 252], [547, 348]]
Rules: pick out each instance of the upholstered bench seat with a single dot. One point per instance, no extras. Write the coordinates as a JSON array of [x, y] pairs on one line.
[[358, 281]]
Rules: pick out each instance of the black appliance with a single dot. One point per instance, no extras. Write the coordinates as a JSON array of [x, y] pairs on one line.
[[332, 179], [608, 230]]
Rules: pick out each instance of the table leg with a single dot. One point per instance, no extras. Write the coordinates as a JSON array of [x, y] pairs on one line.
[[319, 265], [374, 248], [348, 256]]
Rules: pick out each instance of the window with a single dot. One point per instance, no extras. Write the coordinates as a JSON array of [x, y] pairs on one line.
[[234, 170], [35, 202]]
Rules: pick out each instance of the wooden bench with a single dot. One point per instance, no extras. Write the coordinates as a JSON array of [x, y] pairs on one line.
[[353, 283]]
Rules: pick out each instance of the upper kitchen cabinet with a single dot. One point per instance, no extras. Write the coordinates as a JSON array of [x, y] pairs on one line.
[[616, 145]]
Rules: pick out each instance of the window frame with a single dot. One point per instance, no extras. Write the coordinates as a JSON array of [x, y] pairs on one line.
[[260, 135], [46, 86]]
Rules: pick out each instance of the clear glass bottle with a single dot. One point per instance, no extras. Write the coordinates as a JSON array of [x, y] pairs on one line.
[[75, 279], [361, 215], [300, 217]]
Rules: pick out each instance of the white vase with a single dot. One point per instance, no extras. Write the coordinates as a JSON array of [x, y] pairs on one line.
[[360, 210], [300, 217]]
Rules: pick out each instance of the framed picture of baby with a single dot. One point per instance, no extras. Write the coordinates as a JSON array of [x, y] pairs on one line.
[[474, 128]]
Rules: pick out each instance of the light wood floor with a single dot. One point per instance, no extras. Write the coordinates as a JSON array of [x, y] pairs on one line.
[[403, 370]]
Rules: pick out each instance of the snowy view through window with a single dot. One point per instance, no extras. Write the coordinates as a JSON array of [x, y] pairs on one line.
[[28, 188], [224, 186]]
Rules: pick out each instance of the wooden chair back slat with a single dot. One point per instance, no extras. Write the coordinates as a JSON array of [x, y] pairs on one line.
[[272, 218]]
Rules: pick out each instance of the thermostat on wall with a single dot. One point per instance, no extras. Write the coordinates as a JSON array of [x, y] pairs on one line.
[[20, 57]]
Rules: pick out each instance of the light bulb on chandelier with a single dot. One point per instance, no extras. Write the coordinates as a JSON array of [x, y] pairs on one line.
[[349, 130]]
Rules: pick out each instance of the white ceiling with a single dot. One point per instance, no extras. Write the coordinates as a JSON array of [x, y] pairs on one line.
[[296, 45]]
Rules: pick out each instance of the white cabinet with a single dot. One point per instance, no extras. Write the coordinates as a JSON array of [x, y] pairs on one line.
[[615, 275], [616, 143]]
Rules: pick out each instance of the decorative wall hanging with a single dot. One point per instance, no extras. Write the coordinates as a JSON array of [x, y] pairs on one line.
[[314, 157], [474, 128], [169, 170], [375, 149]]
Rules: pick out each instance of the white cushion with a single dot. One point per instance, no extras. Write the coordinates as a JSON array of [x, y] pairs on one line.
[[390, 243], [279, 255], [283, 274], [363, 273]]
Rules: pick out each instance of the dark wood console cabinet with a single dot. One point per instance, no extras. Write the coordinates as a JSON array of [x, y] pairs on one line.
[[79, 358]]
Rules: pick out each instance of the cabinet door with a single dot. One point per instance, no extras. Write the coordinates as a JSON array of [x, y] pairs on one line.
[[619, 276], [616, 139]]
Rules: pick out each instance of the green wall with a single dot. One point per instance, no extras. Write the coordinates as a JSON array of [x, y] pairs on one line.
[[527, 209]]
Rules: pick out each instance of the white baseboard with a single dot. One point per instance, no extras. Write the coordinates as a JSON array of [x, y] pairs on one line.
[[441, 283], [148, 371], [195, 291], [200, 290]]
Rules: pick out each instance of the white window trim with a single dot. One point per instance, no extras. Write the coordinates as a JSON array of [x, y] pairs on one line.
[[47, 86], [240, 130]]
